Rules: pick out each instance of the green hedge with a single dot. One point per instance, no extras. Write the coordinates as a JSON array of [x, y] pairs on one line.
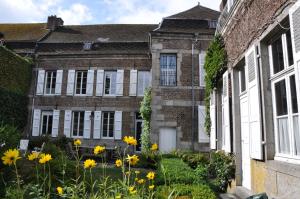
[[15, 78]]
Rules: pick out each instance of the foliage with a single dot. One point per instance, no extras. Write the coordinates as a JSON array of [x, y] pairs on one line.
[[145, 111], [15, 79], [148, 161], [215, 63], [193, 159]]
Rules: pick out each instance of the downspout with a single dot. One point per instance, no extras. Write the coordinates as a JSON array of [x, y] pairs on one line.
[[193, 94]]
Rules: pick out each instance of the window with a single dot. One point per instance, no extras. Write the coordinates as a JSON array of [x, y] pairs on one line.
[[143, 82], [110, 83], [242, 79], [108, 124], [87, 45], [168, 70], [50, 82], [212, 24], [47, 119], [77, 123], [81, 81]]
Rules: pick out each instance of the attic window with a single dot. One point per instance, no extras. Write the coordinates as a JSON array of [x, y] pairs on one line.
[[212, 24], [87, 45]]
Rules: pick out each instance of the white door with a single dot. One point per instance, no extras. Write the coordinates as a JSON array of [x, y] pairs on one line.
[[167, 139], [246, 163]]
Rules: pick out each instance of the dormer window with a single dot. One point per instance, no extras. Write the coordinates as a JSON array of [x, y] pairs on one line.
[[87, 45], [212, 24]]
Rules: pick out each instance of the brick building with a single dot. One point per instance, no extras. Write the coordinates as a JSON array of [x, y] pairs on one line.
[[255, 111], [89, 80]]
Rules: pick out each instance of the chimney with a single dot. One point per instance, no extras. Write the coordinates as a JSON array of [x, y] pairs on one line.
[[53, 22]]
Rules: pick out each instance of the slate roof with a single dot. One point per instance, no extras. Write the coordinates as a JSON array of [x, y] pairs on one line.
[[101, 33], [197, 13], [23, 32]]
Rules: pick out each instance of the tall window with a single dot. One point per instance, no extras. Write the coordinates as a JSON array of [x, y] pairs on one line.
[[47, 119], [143, 82], [284, 92], [110, 82], [81, 81], [50, 82], [108, 124], [77, 123], [168, 70], [242, 79]]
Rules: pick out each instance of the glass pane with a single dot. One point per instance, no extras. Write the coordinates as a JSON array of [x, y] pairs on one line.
[[53, 82], [296, 134], [44, 125], [84, 82], [107, 84], [277, 51], [283, 135], [141, 86], [280, 97], [81, 123], [289, 48], [243, 79], [78, 83], [168, 70], [293, 94], [75, 123], [50, 121], [113, 83], [105, 124]]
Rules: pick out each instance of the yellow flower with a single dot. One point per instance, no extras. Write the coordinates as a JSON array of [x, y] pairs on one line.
[[137, 172], [127, 172], [154, 147], [141, 181], [44, 158], [132, 190], [99, 149], [10, 157], [59, 190], [136, 179], [133, 160], [130, 140], [151, 175], [118, 163], [119, 196], [151, 187], [77, 142], [88, 164], [33, 156]]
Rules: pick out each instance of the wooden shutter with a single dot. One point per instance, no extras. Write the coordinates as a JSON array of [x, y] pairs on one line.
[[59, 76], [133, 82], [90, 83], [40, 82], [226, 114], [119, 80], [202, 135], [118, 125], [201, 68], [99, 84], [67, 123], [87, 125], [255, 131], [71, 82], [97, 124], [213, 135], [36, 123], [55, 123]]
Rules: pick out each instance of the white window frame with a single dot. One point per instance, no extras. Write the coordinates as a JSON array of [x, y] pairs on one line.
[[167, 69], [110, 73], [240, 81], [81, 83], [145, 73], [72, 125], [102, 125], [46, 113], [285, 75], [51, 81]]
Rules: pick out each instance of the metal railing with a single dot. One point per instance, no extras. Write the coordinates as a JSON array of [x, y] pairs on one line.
[[225, 15]]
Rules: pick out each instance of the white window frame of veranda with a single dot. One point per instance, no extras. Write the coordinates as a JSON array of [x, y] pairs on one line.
[[284, 75]]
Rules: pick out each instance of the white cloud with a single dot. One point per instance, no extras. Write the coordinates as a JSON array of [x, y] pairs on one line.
[[76, 14]]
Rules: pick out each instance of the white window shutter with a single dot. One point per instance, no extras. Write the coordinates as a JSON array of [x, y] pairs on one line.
[[213, 133], [40, 82], [90, 83], [133, 83], [36, 122], [87, 125], [59, 76], [118, 125], [97, 124], [202, 135], [55, 123], [119, 80], [226, 114], [99, 84], [71, 82], [67, 123], [255, 131], [201, 68]]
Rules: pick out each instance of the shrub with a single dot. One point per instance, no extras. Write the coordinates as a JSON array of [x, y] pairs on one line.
[[148, 161], [145, 111], [193, 159]]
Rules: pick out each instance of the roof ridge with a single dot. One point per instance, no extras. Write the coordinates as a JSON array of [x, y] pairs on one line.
[[111, 25]]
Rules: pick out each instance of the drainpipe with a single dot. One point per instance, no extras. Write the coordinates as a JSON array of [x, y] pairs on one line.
[[193, 94]]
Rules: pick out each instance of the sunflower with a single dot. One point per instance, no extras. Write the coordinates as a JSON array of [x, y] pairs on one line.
[[132, 160], [88, 164], [118, 163], [44, 158], [60, 190], [33, 156], [10, 157], [77, 142], [99, 149], [151, 187], [130, 140], [154, 147], [151, 175], [132, 190], [141, 181]]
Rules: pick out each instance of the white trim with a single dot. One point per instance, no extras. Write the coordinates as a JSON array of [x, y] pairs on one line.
[[45, 113], [108, 123]]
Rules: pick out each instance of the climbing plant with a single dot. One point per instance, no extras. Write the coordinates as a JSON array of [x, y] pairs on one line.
[[145, 111], [215, 66]]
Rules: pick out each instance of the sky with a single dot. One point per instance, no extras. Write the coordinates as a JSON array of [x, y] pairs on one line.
[[75, 12]]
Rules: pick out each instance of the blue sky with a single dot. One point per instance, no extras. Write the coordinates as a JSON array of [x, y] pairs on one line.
[[96, 11]]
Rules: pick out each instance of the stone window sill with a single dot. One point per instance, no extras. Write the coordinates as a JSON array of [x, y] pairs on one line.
[[284, 167]]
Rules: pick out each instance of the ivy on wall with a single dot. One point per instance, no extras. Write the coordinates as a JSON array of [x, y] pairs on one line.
[[15, 79], [215, 66]]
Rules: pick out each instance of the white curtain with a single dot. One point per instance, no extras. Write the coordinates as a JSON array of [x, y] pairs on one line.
[[283, 135], [296, 134]]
